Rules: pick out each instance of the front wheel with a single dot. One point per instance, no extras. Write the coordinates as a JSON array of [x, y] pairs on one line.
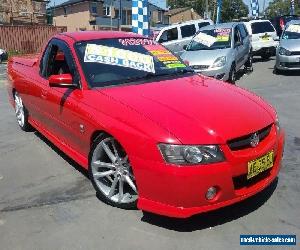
[[21, 113], [111, 173]]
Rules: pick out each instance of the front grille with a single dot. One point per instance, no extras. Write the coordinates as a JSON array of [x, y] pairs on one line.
[[291, 64], [241, 181], [244, 141], [295, 53], [199, 67]]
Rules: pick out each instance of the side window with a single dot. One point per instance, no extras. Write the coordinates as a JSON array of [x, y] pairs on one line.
[[237, 35], [169, 35], [188, 30], [58, 60], [44, 60], [243, 31], [203, 24]]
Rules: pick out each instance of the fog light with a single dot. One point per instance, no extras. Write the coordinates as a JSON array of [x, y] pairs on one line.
[[211, 193]]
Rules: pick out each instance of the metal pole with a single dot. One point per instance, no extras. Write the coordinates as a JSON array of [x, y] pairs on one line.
[[219, 9], [292, 11], [206, 9], [120, 15]]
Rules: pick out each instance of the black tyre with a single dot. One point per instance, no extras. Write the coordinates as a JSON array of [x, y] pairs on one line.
[[111, 173], [232, 74], [276, 71], [21, 113], [249, 64]]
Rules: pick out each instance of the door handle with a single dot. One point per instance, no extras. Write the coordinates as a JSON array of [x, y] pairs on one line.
[[44, 94]]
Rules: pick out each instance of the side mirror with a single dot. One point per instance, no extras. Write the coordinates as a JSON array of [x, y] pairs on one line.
[[61, 81], [237, 44], [184, 47]]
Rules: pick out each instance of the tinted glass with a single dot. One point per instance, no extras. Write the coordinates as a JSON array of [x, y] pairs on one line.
[[117, 61], [261, 27], [188, 30], [212, 39], [169, 35], [203, 24], [292, 32], [243, 31]]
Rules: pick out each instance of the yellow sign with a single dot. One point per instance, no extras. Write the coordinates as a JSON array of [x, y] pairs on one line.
[[95, 53], [261, 164]]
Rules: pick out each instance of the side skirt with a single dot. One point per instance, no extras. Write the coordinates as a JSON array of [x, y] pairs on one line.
[[68, 150]]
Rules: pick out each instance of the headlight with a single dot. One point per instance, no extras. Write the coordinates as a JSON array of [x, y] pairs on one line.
[[219, 62], [284, 52], [188, 154]]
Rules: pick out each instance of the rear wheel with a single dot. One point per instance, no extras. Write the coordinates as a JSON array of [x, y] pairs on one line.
[[21, 113], [111, 173], [232, 74], [249, 64]]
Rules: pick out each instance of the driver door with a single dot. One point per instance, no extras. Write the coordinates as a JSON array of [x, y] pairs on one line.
[[61, 105], [238, 48]]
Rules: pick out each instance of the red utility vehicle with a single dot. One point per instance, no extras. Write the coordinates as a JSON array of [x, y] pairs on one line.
[[151, 132]]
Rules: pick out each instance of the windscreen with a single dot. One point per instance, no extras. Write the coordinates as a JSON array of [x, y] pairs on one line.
[[292, 32], [211, 39], [116, 61], [262, 27]]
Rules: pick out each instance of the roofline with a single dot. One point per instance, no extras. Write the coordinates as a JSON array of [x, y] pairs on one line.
[[182, 10], [70, 4]]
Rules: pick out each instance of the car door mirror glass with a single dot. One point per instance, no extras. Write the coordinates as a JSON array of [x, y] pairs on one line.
[[61, 81]]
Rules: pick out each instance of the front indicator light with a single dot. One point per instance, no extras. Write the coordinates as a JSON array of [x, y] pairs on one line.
[[191, 154], [211, 193]]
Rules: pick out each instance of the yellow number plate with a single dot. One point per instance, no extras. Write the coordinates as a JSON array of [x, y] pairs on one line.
[[261, 164], [265, 38]]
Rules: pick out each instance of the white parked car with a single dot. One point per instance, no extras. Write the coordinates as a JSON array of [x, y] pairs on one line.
[[175, 36], [3, 55], [264, 38]]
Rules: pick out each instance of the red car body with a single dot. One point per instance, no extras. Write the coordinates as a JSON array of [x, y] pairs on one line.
[[193, 110]]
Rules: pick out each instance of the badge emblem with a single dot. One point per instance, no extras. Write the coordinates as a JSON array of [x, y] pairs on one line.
[[254, 140]]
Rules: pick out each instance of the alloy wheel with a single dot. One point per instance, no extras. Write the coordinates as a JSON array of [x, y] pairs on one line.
[[112, 172], [19, 108]]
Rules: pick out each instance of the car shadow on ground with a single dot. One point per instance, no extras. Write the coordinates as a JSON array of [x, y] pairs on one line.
[[288, 73], [259, 59], [213, 218], [62, 154]]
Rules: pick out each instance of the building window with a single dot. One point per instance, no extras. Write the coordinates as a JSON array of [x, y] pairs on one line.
[[94, 8], [160, 16], [106, 10], [65, 11]]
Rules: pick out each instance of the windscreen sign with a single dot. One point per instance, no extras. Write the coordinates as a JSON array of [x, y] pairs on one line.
[[95, 53]]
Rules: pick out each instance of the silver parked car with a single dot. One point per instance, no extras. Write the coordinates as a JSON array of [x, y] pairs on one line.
[[175, 36], [288, 51], [220, 51]]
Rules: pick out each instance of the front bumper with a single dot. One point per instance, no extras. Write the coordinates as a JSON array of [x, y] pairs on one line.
[[261, 48], [180, 191], [288, 62], [221, 73]]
